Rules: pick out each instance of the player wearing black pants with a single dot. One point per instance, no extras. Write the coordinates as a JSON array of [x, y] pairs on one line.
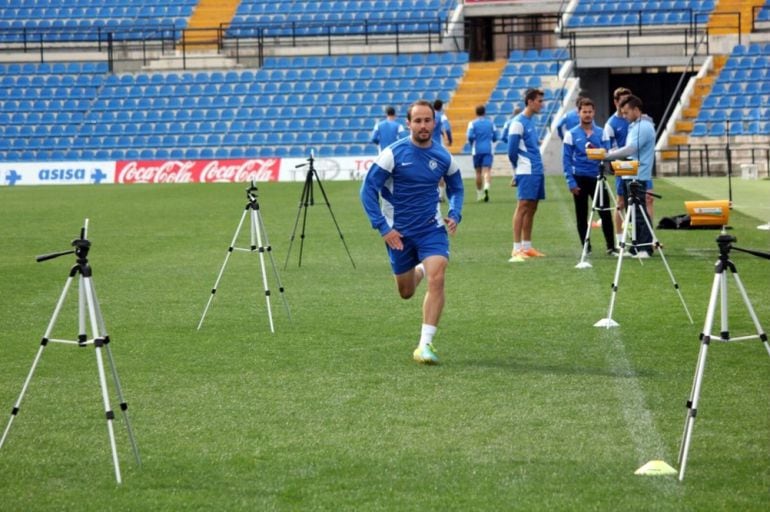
[[582, 173], [583, 201]]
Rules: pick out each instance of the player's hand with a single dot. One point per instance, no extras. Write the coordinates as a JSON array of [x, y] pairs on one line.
[[575, 191], [513, 181], [451, 225], [393, 240]]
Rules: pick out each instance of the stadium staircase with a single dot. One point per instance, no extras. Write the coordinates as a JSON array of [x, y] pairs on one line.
[[683, 127], [723, 20], [474, 89], [208, 14]]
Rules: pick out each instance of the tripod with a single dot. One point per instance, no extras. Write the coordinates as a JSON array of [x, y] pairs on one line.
[[636, 207], [307, 199], [597, 205], [87, 304], [257, 231], [719, 287]]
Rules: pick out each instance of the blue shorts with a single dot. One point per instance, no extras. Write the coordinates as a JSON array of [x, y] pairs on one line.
[[620, 188], [530, 187], [418, 247], [482, 160]]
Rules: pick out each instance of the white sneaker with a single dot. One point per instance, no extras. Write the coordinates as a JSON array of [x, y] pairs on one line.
[[641, 255]]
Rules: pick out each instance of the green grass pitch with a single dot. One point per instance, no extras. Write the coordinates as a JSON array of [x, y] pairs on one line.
[[532, 408]]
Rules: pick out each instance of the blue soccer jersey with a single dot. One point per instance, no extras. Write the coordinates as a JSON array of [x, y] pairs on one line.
[[401, 188], [386, 132], [615, 131], [482, 135], [442, 127], [574, 158], [570, 120], [524, 146]]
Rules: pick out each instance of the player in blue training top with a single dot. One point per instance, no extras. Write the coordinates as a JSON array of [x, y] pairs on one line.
[[581, 173], [640, 145], [400, 197], [442, 128], [482, 136], [387, 131], [528, 177], [570, 120], [615, 131], [507, 125]]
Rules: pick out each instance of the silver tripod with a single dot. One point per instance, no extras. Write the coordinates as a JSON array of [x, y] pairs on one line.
[[636, 207], [719, 287], [597, 205], [87, 305], [258, 234]]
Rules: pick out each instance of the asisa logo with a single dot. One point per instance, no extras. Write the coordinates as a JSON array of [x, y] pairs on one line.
[[64, 174]]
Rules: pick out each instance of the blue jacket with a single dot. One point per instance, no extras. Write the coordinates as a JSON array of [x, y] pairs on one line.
[[400, 190], [482, 135], [574, 157]]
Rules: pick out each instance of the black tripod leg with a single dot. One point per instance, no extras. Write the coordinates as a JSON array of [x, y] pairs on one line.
[[334, 219], [303, 203]]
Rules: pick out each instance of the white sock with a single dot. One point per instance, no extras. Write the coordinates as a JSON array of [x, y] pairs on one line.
[[421, 269], [516, 246], [426, 334], [526, 244]]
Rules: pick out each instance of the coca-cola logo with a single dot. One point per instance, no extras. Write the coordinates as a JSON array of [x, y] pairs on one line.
[[239, 171], [198, 171], [169, 171]]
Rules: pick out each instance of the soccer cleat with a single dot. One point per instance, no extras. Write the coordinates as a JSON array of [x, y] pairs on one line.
[[612, 251], [517, 257], [479, 196], [641, 255], [486, 195], [533, 253], [425, 355]]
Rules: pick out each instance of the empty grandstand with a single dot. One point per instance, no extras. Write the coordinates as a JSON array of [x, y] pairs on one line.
[[198, 80]]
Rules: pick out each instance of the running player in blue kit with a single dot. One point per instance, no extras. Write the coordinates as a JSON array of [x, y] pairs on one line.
[[400, 196]]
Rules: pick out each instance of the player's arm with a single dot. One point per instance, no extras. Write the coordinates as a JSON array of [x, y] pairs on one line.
[[624, 152], [515, 132], [447, 129], [568, 159], [370, 197], [471, 133], [375, 136], [455, 193], [608, 136]]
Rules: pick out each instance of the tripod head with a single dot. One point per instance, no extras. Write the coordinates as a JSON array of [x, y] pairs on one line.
[[636, 189], [81, 247], [251, 192], [309, 163], [725, 243]]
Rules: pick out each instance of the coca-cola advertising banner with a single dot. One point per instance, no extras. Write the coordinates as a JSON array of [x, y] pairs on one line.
[[197, 171], [182, 171]]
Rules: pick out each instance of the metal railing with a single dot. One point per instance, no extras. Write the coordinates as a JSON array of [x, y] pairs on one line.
[[714, 159]]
